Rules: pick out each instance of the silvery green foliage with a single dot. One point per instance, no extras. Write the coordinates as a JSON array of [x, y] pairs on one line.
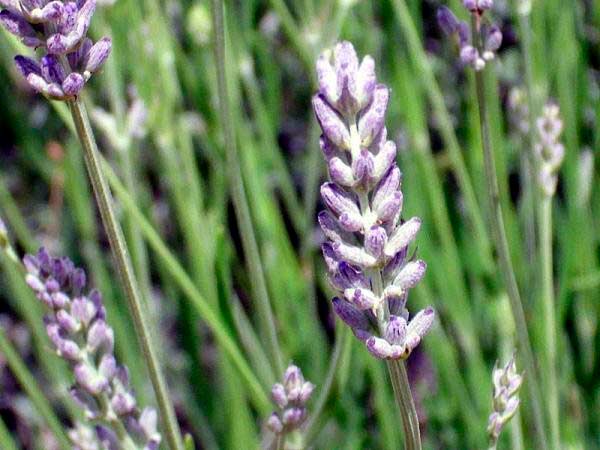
[[290, 397], [550, 152], [491, 36], [367, 242], [59, 28], [506, 383], [77, 327]]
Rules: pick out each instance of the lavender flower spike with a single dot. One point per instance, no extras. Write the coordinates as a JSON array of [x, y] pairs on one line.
[[472, 54], [77, 327], [506, 382], [550, 152], [59, 28], [367, 247], [290, 397]]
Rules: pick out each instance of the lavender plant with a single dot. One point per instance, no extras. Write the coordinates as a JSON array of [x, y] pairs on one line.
[[549, 150], [480, 38], [58, 29], [507, 383], [367, 242], [68, 61], [77, 327], [470, 53], [290, 397]]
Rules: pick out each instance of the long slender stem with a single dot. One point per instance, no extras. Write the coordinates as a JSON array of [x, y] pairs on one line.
[[123, 262], [404, 399], [31, 387], [504, 261], [240, 200], [187, 286], [550, 329]]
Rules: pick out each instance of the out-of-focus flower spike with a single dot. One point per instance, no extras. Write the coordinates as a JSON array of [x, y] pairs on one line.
[[447, 20]]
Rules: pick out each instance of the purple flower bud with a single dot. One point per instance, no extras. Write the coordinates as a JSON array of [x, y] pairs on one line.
[[464, 33], [148, 421], [108, 366], [493, 39], [469, 55], [402, 236], [123, 403], [350, 314], [98, 54], [395, 331], [375, 240], [293, 417], [384, 159], [411, 274], [339, 201], [34, 283], [52, 69], [330, 257], [372, 119], [362, 298], [274, 424], [100, 337], [49, 13], [387, 187], [471, 5], [330, 227], [18, 26], [340, 172], [363, 168], [26, 66], [73, 84], [89, 379], [331, 123], [382, 349], [306, 391], [279, 396], [419, 326], [353, 254], [390, 208], [447, 20], [83, 310], [60, 300], [66, 321]]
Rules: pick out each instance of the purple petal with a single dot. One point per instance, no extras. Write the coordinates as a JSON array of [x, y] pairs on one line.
[[98, 54]]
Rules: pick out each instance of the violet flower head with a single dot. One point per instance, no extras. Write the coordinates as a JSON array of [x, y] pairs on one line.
[[507, 383], [367, 242], [549, 150], [59, 28], [77, 327], [290, 397], [474, 54]]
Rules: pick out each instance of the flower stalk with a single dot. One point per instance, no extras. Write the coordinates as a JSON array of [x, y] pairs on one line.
[[500, 239], [124, 268], [366, 248]]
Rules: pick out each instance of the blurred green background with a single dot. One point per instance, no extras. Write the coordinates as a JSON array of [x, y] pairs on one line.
[[185, 241]]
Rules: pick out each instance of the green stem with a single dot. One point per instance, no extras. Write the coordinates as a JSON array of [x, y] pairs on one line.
[[123, 262], [31, 387], [550, 328], [240, 201], [7, 440], [187, 286], [501, 243], [404, 399]]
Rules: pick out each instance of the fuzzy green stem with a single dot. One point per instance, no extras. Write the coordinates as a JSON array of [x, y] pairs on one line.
[[502, 249], [124, 268], [550, 329], [404, 399], [238, 193], [31, 387]]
